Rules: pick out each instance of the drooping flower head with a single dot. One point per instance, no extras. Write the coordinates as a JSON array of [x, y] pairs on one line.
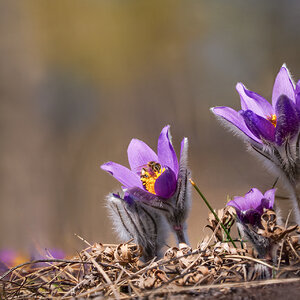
[[261, 121], [251, 207], [153, 174]]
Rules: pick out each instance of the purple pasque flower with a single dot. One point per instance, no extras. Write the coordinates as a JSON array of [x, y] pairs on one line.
[[8, 256], [262, 122], [272, 130], [39, 253], [155, 175], [157, 180], [250, 208]]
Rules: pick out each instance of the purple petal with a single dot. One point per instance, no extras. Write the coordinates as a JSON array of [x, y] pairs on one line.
[[251, 216], [253, 198], [250, 207], [139, 154], [37, 254], [7, 256], [234, 118], [254, 102], [3, 269], [56, 253], [250, 201], [270, 195], [165, 151], [297, 94], [126, 197], [259, 126], [248, 216], [234, 203], [287, 119], [165, 185], [122, 174], [283, 85], [138, 194], [265, 204]]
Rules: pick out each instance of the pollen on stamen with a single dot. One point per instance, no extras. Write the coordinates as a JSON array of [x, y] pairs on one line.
[[149, 176], [272, 119]]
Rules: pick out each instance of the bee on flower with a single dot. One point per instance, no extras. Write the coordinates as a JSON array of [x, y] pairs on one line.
[[158, 185]]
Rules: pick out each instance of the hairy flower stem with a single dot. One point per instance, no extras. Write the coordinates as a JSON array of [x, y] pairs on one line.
[[241, 239], [182, 237], [295, 202], [213, 212]]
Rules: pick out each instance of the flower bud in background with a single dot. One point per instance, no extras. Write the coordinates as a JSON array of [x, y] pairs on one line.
[[39, 253], [158, 180], [134, 220], [10, 258], [271, 131]]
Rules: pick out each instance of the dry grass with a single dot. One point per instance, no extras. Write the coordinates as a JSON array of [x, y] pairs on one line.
[[117, 271]]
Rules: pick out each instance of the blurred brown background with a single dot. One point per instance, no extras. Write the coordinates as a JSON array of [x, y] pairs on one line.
[[79, 79]]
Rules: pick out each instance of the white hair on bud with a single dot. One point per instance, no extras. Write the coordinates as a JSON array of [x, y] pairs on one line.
[[282, 161], [232, 128], [121, 225], [135, 220], [265, 247], [182, 199]]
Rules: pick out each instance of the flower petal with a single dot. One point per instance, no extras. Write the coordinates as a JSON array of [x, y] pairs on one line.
[[283, 85], [165, 185], [250, 207], [250, 201], [270, 195], [139, 194], [259, 126], [165, 151], [265, 204], [251, 216], [234, 118], [254, 102], [125, 195], [287, 119], [139, 154], [235, 203], [253, 198], [122, 174]]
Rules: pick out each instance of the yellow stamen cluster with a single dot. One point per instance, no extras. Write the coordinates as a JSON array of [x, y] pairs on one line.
[[149, 177], [272, 119]]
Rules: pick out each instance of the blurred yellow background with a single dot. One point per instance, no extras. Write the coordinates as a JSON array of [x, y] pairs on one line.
[[79, 79]]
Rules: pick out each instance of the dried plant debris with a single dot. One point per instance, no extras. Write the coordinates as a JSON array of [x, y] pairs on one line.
[[226, 216], [117, 271]]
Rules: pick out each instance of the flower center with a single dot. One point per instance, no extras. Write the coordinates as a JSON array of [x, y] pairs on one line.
[[272, 119], [149, 174]]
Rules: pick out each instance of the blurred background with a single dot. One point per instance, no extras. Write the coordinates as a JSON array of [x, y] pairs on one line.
[[80, 79]]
